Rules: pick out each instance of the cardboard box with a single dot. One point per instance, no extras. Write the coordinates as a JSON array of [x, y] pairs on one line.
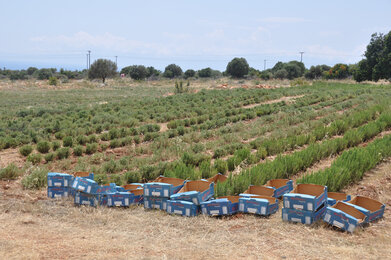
[[138, 196], [334, 197], [307, 197], [163, 187], [155, 203], [133, 186], [85, 185], [181, 207], [280, 186], [194, 191], [344, 216], [56, 179], [218, 178], [258, 191], [227, 205], [303, 216], [82, 198], [120, 199], [260, 205], [58, 192], [371, 208]]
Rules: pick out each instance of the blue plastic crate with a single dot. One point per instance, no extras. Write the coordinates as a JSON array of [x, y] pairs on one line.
[[303, 216], [120, 199], [195, 191], [163, 187], [307, 197], [183, 208], [334, 197], [371, 208], [155, 203], [82, 198], [280, 186], [56, 179], [260, 205], [84, 175], [227, 205], [344, 216], [58, 192], [85, 185]]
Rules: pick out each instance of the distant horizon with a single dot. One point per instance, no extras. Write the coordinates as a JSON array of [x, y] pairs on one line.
[[193, 35]]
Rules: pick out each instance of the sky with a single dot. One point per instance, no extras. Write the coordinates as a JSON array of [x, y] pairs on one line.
[[191, 34]]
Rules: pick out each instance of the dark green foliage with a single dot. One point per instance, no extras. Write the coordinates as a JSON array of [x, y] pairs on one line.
[[136, 72], [55, 145], [172, 71], [189, 73], [35, 158], [220, 166], [132, 177], [102, 69], [205, 73], [11, 172], [238, 68], [101, 178], [67, 141], [116, 178], [78, 150], [53, 81], [43, 147], [82, 139], [62, 153], [49, 157], [25, 150]]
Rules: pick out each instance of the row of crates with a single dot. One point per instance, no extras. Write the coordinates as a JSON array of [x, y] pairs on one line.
[[306, 203]]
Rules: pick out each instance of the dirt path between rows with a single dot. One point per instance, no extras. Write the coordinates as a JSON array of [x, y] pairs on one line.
[[285, 99]]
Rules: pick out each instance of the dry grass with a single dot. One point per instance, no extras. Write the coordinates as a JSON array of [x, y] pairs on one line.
[[35, 227]]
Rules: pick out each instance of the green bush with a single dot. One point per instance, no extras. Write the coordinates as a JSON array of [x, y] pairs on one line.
[[59, 135], [136, 139], [78, 150], [53, 81], [11, 172], [116, 178], [55, 145], [114, 143], [49, 157], [220, 166], [68, 141], [110, 167], [81, 139], [63, 153], [43, 147], [36, 179], [132, 177], [101, 178], [92, 148], [25, 150], [104, 147], [35, 158]]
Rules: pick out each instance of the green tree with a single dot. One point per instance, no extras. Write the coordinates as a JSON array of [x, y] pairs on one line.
[[102, 69], [189, 73], [238, 67], [205, 73], [172, 71], [138, 72]]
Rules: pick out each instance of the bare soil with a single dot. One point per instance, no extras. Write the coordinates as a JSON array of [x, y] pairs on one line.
[[286, 99]]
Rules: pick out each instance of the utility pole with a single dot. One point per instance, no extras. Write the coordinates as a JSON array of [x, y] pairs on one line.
[[264, 64], [116, 60], [89, 59], [301, 56]]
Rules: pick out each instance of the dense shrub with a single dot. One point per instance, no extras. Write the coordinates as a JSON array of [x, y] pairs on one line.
[[53, 81], [25, 150], [238, 67], [116, 178], [49, 157], [68, 141], [91, 148], [55, 145], [43, 147], [11, 172], [101, 178], [78, 150], [132, 177], [36, 179], [34, 158], [172, 71], [220, 166], [62, 153]]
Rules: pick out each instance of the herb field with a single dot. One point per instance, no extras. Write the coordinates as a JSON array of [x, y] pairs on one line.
[[135, 133]]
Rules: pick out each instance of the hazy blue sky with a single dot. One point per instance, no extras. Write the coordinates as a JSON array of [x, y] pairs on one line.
[[192, 34]]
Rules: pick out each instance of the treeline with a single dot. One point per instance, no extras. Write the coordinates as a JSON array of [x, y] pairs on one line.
[[42, 74]]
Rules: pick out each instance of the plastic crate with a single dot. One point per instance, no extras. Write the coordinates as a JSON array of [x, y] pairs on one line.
[[82, 198], [344, 216], [195, 191], [227, 205], [334, 197], [183, 208], [56, 179], [260, 205], [307, 197], [303, 216], [280, 186], [163, 187], [371, 208]]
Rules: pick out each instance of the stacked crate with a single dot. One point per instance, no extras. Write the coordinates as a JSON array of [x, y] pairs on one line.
[[158, 192], [226, 205], [137, 189], [88, 192], [306, 204], [59, 184], [86, 175], [258, 200], [188, 199]]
